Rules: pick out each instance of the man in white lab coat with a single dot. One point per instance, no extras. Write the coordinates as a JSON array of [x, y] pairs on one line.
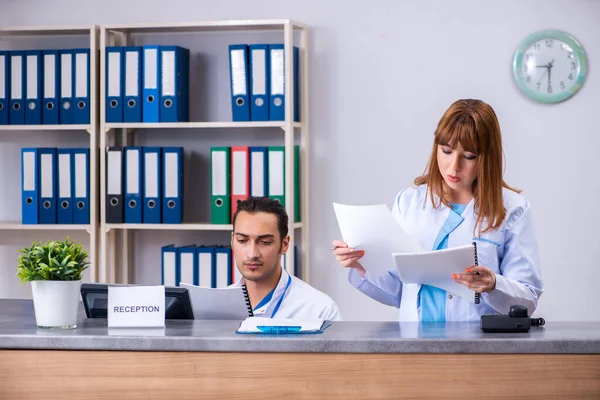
[[259, 238]]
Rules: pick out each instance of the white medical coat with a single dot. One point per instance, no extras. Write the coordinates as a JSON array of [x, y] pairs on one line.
[[298, 300], [511, 252]]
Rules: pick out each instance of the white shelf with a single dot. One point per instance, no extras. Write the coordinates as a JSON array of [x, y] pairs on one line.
[[65, 127], [205, 26], [199, 125], [16, 226], [181, 227], [176, 227], [46, 30]]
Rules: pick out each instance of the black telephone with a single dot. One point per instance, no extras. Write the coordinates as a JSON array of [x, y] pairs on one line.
[[517, 320]]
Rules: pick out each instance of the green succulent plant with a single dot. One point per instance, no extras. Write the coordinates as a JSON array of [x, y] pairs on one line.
[[54, 261]]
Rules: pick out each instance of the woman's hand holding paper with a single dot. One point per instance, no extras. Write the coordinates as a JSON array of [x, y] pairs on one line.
[[477, 278], [348, 257]]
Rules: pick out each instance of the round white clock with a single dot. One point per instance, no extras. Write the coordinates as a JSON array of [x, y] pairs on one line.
[[549, 66]]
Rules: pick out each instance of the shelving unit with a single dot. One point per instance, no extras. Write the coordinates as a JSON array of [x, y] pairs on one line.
[[116, 258], [34, 35]]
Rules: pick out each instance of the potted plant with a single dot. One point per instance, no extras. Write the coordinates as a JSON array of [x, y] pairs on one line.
[[55, 270]]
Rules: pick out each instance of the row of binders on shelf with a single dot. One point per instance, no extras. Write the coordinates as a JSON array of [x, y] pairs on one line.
[[143, 84], [207, 266], [147, 84], [239, 172], [257, 78], [47, 87], [55, 185], [144, 185]]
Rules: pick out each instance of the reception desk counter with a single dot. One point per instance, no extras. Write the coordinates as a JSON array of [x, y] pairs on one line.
[[362, 360]]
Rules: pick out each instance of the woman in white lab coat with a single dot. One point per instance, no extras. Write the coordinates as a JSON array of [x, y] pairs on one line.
[[461, 198]]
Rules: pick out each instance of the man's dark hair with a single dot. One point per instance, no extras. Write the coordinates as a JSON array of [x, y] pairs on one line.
[[254, 205]]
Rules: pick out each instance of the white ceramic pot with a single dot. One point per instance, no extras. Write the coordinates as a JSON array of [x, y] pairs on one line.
[[56, 303]]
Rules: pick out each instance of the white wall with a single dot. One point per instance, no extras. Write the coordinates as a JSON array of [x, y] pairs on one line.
[[382, 74]]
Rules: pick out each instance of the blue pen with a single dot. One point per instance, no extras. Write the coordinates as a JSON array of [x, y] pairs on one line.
[[279, 329]]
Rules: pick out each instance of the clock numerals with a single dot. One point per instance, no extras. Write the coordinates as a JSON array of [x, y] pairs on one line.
[[536, 46], [528, 79], [573, 65], [571, 76], [549, 89], [538, 86], [562, 85], [549, 42]]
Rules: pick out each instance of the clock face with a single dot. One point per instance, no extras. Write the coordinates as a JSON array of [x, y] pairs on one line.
[[549, 66]]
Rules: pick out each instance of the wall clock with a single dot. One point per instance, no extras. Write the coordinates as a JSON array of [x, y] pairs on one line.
[[549, 66]]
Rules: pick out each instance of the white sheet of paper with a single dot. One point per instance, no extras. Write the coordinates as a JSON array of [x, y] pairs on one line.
[[435, 268], [222, 303], [374, 230]]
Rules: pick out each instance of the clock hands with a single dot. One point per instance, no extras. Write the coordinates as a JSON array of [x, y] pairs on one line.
[[550, 65], [544, 74], [548, 70]]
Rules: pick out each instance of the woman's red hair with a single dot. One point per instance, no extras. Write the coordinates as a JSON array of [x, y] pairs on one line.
[[474, 125]]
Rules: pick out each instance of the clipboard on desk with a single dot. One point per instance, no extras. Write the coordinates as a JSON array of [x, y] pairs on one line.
[[435, 268], [273, 326]]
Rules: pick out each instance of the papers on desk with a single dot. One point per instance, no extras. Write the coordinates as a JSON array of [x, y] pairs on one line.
[[282, 326], [222, 303], [435, 268], [374, 230]]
